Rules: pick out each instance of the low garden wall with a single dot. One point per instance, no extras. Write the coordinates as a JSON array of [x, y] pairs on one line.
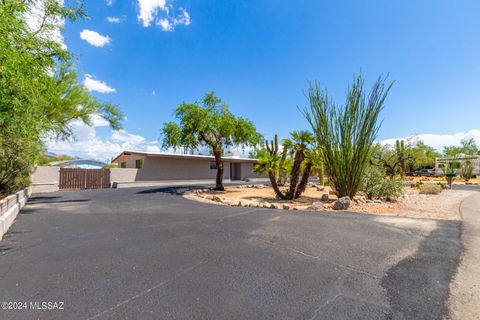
[[10, 207]]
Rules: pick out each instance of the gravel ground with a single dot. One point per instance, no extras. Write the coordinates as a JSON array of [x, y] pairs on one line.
[[443, 206]]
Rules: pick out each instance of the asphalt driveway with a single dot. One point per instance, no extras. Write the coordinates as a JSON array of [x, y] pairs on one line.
[[150, 254]]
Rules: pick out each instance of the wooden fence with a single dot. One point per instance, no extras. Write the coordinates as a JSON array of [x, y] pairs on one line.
[[75, 178]]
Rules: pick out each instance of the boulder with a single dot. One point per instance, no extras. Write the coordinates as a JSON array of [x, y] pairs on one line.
[[216, 198], [274, 206], [342, 203], [286, 207], [320, 187], [317, 206], [325, 197]]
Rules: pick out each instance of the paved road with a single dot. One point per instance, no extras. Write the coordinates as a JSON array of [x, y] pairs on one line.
[[150, 254]]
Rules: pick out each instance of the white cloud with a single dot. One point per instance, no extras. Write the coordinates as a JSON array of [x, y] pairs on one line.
[[34, 18], [94, 38], [114, 19], [109, 2], [162, 13], [165, 25], [438, 141], [95, 85], [86, 143]]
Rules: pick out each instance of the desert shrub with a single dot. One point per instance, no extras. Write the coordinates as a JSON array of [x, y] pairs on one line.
[[372, 182], [392, 189], [375, 185], [466, 170], [429, 188]]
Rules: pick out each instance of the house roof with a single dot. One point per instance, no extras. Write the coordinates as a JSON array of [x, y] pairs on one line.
[[77, 163], [182, 156]]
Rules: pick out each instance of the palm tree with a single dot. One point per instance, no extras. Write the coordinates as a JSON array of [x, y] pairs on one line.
[[301, 141], [276, 166]]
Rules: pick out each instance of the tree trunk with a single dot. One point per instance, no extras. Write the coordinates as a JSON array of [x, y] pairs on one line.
[[295, 174], [219, 164], [273, 182], [303, 182]]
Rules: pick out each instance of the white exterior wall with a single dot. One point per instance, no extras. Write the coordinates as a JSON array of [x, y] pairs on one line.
[[157, 169], [440, 161], [247, 171]]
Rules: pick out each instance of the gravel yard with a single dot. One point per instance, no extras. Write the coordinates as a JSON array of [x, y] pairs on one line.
[[441, 206]]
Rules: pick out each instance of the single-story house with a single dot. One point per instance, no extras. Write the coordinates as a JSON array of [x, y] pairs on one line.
[[460, 159], [146, 166]]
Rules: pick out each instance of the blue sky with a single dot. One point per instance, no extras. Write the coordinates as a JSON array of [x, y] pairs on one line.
[[259, 55]]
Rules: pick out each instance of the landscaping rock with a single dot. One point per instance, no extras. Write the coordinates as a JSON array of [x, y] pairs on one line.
[[274, 206], [317, 206], [325, 197], [342, 203], [216, 198], [320, 188], [377, 201], [286, 207]]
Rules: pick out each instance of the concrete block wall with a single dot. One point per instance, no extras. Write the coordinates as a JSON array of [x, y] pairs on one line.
[[10, 207], [45, 179]]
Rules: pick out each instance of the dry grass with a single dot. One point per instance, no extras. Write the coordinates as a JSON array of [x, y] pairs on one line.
[[430, 188]]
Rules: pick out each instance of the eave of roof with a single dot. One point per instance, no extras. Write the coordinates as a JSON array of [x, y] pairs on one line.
[[182, 156]]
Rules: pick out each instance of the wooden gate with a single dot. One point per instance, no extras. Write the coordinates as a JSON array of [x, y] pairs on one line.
[[76, 178]]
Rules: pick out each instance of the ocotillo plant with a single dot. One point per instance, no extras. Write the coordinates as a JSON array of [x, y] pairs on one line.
[[345, 134]]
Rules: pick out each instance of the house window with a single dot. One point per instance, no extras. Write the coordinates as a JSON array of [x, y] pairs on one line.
[[213, 165], [139, 163], [123, 165]]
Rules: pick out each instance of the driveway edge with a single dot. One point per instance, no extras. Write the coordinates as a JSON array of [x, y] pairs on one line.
[[464, 299]]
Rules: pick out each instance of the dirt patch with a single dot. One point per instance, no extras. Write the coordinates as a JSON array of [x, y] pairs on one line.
[[442, 206]]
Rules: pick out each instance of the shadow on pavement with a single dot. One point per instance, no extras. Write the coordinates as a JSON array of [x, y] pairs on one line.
[[173, 190], [417, 287]]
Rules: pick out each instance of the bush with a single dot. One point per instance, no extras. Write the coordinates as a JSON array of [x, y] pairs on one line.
[[392, 189], [466, 170], [376, 186], [430, 188]]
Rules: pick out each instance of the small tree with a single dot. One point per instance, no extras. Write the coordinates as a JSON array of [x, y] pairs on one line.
[[450, 171], [209, 123], [345, 135]]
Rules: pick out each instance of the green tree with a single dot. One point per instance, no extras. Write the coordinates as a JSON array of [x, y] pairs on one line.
[[422, 155], [467, 147], [209, 123], [345, 135], [39, 91], [395, 159]]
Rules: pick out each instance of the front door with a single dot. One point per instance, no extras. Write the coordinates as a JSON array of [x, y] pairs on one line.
[[235, 171]]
